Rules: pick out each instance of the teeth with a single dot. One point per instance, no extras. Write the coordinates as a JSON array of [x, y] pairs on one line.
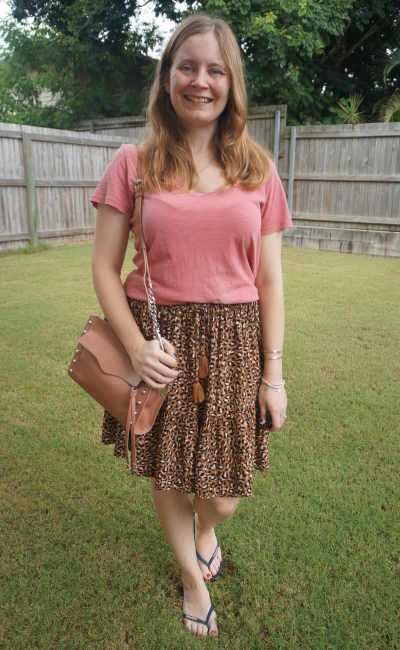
[[199, 100]]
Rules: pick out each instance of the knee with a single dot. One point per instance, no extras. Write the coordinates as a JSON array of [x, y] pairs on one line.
[[224, 507]]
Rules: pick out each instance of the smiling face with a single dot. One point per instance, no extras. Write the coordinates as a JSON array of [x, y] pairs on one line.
[[198, 81]]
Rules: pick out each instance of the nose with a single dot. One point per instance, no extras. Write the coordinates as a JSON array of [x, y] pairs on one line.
[[200, 80]]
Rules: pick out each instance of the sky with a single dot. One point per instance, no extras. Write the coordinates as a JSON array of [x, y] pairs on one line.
[[147, 15]]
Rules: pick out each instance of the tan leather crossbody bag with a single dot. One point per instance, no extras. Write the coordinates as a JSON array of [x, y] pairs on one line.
[[103, 368]]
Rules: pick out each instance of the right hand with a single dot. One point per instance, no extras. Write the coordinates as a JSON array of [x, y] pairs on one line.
[[155, 367]]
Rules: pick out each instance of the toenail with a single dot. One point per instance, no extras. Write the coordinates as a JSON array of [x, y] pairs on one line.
[[208, 575]]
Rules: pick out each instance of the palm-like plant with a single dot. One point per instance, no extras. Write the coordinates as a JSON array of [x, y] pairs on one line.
[[385, 63], [390, 111], [348, 112]]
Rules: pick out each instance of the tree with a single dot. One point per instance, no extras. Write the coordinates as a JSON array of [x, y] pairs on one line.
[[385, 64], [306, 53], [86, 55]]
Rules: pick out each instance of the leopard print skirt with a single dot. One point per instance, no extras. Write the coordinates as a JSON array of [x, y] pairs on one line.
[[209, 448]]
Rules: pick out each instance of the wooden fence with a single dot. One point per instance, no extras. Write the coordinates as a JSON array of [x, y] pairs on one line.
[[342, 183], [46, 179], [343, 187], [47, 176]]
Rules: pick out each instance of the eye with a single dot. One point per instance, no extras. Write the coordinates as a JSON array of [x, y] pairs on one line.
[[186, 68], [215, 71]]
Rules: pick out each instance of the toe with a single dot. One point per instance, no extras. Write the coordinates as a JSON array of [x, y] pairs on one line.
[[215, 566], [203, 630], [213, 627], [207, 574]]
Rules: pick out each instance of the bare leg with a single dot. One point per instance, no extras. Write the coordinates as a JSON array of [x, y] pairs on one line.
[[175, 512], [208, 513]]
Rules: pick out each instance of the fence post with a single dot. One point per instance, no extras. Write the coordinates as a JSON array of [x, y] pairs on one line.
[[91, 126], [30, 187], [277, 136], [291, 168]]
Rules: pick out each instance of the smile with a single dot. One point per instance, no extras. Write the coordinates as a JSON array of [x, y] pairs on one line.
[[198, 100]]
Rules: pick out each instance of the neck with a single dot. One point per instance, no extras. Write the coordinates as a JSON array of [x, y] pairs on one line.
[[202, 139]]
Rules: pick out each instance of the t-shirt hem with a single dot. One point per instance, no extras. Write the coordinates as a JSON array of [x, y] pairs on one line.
[[202, 301], [275, 228], [113, 202]]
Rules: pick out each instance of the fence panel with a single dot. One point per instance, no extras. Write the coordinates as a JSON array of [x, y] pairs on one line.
[[54, 201], [66, 168], [346, 188], [345, 181]]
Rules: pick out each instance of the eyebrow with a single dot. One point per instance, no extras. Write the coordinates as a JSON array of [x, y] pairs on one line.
[[210, 65]]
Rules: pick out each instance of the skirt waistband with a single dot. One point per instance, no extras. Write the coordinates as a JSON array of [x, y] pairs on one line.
[[203, 315]]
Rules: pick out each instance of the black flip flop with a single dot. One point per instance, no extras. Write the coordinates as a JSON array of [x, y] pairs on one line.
[[199, 620], [214, 555]]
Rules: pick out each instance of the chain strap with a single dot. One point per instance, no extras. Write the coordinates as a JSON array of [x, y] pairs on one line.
[[147, 280], [152, 307]]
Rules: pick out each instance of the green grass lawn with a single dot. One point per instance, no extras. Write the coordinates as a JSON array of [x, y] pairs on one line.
[[312, 559]]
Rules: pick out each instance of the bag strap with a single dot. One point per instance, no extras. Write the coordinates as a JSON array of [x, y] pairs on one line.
[[139, 197]]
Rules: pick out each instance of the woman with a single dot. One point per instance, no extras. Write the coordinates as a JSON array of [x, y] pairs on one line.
[[213, 213]]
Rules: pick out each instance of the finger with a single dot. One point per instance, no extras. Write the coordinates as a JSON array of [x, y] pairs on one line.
[[160, 377], [263, 412], [153, 384], [168, 358], [169, 348], [155, 362], [165, 371], [277, 421], [154, 380]]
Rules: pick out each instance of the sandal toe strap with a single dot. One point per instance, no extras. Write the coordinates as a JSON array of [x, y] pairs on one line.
[[212, 558], [199, 620]]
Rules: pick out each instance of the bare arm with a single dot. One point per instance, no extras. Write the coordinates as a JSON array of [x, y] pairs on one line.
[[111, 236], [272, 315]]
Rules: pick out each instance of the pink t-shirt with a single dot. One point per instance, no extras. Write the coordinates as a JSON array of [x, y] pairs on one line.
[[201, 247]]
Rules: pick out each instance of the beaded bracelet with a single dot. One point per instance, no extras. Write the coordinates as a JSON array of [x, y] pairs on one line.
[[276, 387]]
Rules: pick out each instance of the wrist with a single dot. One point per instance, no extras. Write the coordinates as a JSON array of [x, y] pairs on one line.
[[136, 345], [272, 371]]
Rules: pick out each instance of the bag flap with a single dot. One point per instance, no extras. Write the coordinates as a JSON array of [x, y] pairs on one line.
[[111, 360]]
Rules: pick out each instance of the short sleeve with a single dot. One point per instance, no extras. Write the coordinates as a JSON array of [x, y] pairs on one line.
[[117, 184], [275, 213]]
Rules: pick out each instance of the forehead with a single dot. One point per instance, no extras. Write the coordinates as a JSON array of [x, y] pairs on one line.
[[200, 47]]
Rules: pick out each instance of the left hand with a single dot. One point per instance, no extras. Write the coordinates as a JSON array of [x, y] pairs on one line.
[[273, 402]]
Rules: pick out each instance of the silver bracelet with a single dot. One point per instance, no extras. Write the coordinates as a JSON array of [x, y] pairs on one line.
[[272, 351], [272, 358], [276, 387]]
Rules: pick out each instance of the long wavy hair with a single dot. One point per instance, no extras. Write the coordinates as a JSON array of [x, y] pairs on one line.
[[166, 156]]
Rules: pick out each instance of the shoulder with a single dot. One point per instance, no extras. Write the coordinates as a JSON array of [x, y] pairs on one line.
[[273, 177], [126, 156], [123, 165]]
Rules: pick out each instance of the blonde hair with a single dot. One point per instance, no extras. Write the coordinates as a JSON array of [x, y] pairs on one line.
[[166, 156]]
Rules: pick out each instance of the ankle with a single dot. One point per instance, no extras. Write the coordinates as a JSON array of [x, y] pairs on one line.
[[203, 527], [191, 581]]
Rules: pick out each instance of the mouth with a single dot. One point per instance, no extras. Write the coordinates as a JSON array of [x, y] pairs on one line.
[[198, 100]]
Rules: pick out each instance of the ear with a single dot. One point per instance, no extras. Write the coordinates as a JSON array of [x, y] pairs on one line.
[[166, 80]]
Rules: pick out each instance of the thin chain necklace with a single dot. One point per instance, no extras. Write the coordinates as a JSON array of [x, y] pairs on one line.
[[202, 170]]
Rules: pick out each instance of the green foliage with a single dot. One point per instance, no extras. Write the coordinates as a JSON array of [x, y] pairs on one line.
[[89, 71], [306, 53], [390, 111], [386, 62], [348, 112]]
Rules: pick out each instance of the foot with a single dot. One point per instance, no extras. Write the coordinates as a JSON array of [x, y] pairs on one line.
[[197, 602], [206, 542]]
